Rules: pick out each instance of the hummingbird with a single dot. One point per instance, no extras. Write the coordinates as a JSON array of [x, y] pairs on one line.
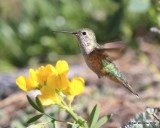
[[99, 57]]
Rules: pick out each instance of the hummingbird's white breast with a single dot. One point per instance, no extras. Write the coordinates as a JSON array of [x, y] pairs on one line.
[[86, 46]]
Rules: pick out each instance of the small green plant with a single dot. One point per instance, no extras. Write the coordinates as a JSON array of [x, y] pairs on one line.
[[57, 89], [145, 119]]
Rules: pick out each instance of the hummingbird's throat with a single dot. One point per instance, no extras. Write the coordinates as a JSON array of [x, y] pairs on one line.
[[86, 46]]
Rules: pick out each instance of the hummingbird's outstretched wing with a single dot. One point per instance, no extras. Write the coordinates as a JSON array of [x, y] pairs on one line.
[[114, 49], [114, 74]]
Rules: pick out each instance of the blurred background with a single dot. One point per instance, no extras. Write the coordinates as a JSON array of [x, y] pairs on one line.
[[27, 40]]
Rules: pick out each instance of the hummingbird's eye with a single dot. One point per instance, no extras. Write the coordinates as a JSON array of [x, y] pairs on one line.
[[84, 33]]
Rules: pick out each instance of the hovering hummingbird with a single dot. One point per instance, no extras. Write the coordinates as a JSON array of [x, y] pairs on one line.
[[99, 57]]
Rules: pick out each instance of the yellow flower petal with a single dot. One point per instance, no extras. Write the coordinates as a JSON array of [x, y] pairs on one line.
[[63, 82], [50, 69], [52, 81], [41, 75], [44, 72], [21, 82], [45, 100], [59, 82], [32, 74], [31, 84], [76, 86], [62, 67], [48, 96], [26, 84]]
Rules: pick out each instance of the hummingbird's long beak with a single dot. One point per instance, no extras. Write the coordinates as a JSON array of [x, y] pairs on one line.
[[75, 33], [65, 32]]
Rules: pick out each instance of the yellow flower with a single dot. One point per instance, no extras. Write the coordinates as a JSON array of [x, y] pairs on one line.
[[62, 67], [48, 96], [59, 79], [49, 80], [75, 87], [59, 82], [44, 72], [27, 84], [56, 77]]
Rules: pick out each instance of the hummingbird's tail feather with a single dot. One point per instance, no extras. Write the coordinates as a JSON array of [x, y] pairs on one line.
[[125, 84]]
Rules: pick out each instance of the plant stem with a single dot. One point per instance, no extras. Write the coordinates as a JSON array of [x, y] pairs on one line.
[[74, 116], [54, 118]]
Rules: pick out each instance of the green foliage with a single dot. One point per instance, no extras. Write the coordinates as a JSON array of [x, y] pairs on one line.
[[37, 105], [94, 122], [145, 119], [35, 118], [102, 121], [26, 26], [94, 116]]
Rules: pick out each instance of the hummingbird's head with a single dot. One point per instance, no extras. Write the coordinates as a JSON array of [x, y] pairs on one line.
[[87, 39]]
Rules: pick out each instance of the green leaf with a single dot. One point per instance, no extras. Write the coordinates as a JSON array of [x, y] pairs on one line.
[[33, 104], [102, 121], [94, 116], [33, 119], [39, 104]]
